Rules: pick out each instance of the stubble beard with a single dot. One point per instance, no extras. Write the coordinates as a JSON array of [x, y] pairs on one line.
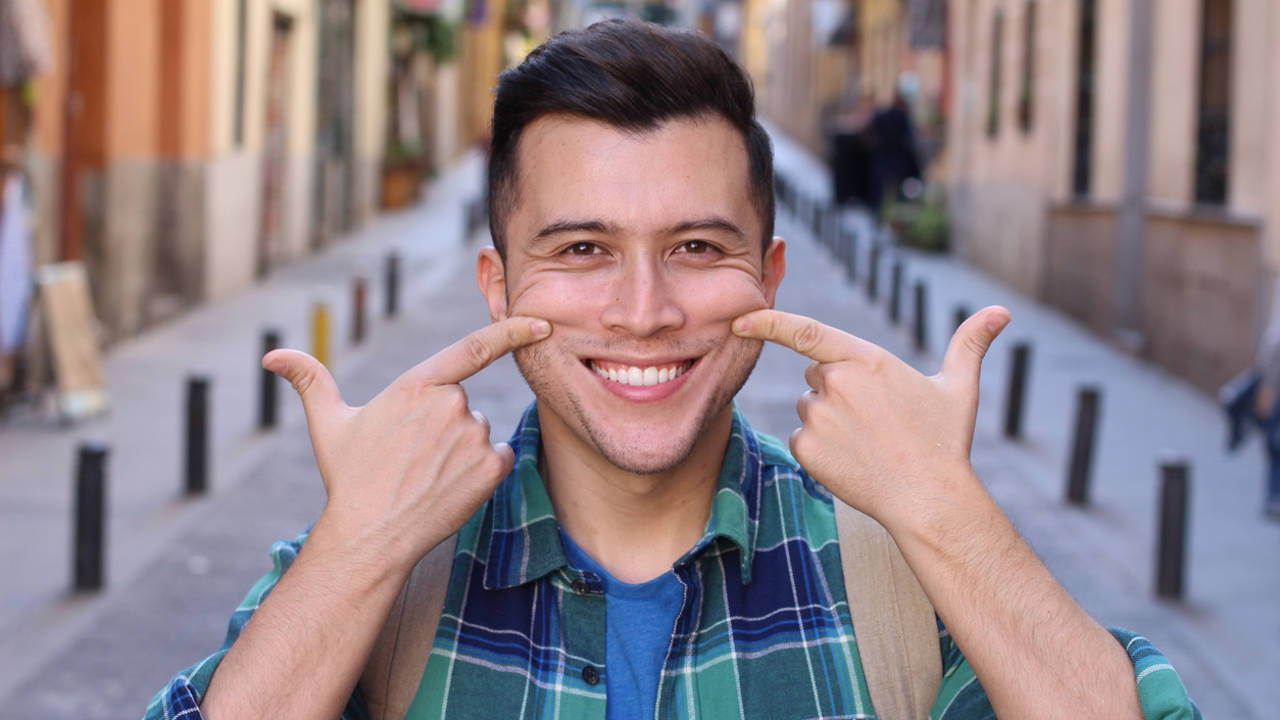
[[637, 459]]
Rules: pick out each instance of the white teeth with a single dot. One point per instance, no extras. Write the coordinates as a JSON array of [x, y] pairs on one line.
[[638, 377]]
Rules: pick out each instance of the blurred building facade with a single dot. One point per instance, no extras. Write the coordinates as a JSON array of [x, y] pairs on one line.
[[813, 60], [184, 148], [1116, 159]]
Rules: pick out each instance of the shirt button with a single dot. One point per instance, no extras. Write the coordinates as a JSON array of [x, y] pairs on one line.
[[591, 675], [580, 587]]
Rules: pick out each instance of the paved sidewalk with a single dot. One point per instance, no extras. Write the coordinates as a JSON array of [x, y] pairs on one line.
[[1223, 639], [145, 427], [1225, 636]]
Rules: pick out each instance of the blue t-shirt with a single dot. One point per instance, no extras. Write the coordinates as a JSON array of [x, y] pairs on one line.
[[639, 621]]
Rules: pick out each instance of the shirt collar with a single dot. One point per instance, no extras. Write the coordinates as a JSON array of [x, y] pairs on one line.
[[524, 536]]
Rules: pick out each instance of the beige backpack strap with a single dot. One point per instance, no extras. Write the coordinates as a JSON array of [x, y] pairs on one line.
[[893, 620], [399, 657]]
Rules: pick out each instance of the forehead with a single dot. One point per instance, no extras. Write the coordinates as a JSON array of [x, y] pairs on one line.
[[576, 169]]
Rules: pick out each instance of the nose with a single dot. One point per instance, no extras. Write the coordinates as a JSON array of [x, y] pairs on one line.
[[644, 301]]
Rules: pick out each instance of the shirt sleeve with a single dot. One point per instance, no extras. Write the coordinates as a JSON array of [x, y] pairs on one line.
[[180, 699], [1160, 689]]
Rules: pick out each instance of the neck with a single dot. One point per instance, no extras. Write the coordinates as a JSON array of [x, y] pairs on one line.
[[634, 525]]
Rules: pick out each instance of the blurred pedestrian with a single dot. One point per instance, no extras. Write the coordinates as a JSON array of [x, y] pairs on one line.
[[895, 150], [1250, 400], [853, 156]]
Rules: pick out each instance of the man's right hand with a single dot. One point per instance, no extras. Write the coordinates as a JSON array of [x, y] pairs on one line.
[[408, 469]]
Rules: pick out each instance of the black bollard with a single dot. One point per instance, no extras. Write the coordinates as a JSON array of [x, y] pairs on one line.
[[921, 328], [267, 393], [197, 434], [1017, 388], [91, 497], [1174, 488], [895, 293], [1087, 401], [851, 257], [962, 314], [393, 283], [357, 311], [873, 272]]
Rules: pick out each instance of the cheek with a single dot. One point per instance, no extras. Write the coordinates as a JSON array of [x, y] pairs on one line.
[[579, 299], [721, 296], [562, 298]]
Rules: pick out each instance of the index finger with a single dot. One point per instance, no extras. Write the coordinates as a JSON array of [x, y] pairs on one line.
[[476, 351], [802, 334]]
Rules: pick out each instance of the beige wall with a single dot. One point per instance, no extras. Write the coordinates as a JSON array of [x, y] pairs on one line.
[[1013, 214], [1175, 77]]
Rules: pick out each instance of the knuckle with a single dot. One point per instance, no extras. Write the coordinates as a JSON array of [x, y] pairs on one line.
[[807, 336], [477, 351], [452, 400]]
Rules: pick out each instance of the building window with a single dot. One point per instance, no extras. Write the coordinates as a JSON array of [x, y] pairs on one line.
[[1214, 112], [1027, 91], [993, 104], [1082, 165], [242, 39]]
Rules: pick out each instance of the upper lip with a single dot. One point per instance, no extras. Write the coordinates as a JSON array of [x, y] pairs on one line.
[[642, 362]]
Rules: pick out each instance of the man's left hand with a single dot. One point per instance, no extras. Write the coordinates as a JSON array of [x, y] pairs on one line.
[[875, 432]]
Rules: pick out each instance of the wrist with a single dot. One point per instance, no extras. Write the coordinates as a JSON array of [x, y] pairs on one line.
[[954, 506], [364, 555]]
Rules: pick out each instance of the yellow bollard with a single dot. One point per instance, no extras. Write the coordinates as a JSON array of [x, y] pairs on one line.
[[320, 333]]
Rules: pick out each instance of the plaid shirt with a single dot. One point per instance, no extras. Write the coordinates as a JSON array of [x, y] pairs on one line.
[[764, 630]]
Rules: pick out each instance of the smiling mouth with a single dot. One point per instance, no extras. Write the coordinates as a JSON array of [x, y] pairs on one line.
[[638, 376]]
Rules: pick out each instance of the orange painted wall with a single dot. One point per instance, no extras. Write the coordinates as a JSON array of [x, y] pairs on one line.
[[133, 77]]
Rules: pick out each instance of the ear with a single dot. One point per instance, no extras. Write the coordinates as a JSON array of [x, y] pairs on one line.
[[775, 267], [492, 278]]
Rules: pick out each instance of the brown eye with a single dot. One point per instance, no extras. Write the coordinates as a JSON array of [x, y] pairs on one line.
[[695, 247], [582, 248]]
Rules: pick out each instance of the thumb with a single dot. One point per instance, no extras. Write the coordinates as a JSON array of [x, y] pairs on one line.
[[313, 383], [969, 345]]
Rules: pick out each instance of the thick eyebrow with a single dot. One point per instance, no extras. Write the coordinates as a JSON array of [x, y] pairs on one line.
[[599, 227], [568, 226], [714, 223]]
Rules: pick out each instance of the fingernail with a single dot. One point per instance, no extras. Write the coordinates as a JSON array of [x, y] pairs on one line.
[[996, 323], [540, 328], [741, 325]]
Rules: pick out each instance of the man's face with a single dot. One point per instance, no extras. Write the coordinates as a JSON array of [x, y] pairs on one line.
[[640, 249]]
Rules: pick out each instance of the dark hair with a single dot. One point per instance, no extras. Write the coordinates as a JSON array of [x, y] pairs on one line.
[[634, 76]]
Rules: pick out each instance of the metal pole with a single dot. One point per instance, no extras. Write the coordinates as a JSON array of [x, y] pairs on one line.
[[357, 310], [1087, 401], [267, 392], [91, 491], [1017, 388], [922, 343], [851, 257], [197, 434], [1170, 559], [895, 293], [393, 283], [873, 276]]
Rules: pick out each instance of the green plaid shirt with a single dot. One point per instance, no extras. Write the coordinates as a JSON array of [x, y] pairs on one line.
[[764, 630]]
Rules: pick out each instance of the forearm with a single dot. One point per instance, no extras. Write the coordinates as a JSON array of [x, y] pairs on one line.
[[304, 649], [1035, 651]]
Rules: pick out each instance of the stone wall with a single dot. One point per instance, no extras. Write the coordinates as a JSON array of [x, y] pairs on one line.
[[1079, 276], [1200, 298]]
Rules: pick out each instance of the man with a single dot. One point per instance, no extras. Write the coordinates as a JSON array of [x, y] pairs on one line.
[[638, 551]]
